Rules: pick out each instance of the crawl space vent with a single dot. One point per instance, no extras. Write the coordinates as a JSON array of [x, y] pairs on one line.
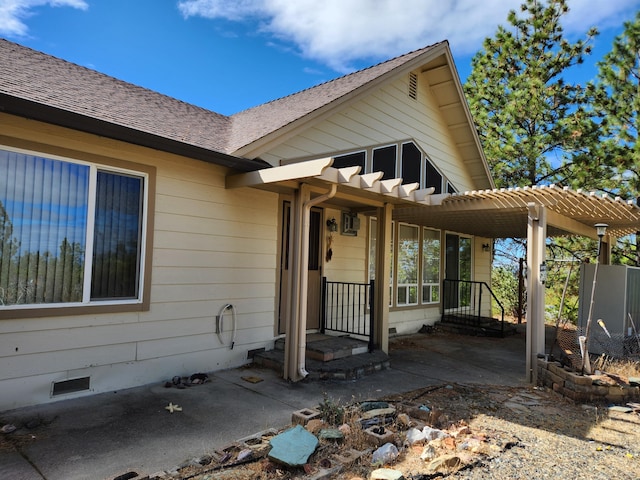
[[70, 386], [413, 86]]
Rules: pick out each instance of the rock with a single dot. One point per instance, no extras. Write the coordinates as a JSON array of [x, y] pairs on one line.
[[461, 430], [366, 406], [293, 447], [428, 453], [386, 474], [618, 408], [345, 429], [404, 419], [445, 463], [387, 453], [378, 412], [315, 425], [330, 434], [414, 436], [244, 454], [8, 428], [603, 380], [434, 434]]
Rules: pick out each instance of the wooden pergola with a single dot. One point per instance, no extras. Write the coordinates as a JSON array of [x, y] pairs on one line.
[[533, 213]]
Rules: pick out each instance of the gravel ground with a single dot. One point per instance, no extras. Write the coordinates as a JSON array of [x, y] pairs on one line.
[[495, 432], [536, 434]]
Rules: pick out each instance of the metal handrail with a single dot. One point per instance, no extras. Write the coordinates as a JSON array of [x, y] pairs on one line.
[[347, 307], [466, 302]]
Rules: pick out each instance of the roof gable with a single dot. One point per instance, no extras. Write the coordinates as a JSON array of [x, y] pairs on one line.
[[259, 122], [39, 86]]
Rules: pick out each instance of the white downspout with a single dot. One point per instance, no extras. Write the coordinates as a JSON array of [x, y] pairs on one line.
[[304, 275]]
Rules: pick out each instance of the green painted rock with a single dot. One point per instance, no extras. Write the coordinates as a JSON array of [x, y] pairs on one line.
[[293, 447]]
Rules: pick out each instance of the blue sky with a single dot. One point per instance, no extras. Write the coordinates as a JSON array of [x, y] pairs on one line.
[[228, 55]]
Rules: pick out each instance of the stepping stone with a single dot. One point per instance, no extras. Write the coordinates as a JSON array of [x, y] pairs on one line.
[[293, 447]]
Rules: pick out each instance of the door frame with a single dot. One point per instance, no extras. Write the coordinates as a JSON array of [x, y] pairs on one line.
[[314, 267]]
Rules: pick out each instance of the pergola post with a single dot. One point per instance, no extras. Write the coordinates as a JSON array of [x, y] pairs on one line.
[[296, 238], [536, 238], [383, 274]]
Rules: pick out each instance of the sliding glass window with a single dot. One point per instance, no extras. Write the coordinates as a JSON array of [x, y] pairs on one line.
[[71, 232]]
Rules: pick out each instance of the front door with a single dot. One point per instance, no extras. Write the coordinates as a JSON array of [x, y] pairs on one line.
[[314, 285], [457, 267]]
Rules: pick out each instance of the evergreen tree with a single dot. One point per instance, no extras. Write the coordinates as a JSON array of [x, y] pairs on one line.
[[531, 122], [617, 102], [9, 247]]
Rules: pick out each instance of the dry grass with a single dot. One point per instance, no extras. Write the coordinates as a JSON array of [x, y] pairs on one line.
[[622, 367]]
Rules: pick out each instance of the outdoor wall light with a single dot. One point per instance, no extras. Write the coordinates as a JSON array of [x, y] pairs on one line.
[[332, 225], [486, 247], [601, 229]]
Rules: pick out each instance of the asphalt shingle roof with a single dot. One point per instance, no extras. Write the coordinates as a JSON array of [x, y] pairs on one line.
[[36, 77], [257, 122], [40, 78]]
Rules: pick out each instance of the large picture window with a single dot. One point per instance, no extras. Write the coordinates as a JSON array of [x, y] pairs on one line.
[[416, 259], [71, 233]]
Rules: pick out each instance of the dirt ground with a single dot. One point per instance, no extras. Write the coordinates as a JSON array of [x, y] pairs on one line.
[[489, 431]]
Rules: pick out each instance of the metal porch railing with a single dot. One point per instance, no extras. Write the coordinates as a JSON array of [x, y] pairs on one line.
[[471, 303], [348, 308]]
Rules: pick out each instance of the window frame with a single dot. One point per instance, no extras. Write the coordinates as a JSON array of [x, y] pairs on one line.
[[394, 257], [432, 286], [425, 166], [95, 163], [408, 286]]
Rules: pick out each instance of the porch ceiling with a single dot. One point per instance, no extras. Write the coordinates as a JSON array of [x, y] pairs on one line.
[[498, 213]]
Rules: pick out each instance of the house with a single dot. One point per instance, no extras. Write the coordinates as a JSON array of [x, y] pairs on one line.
[[196, 220]]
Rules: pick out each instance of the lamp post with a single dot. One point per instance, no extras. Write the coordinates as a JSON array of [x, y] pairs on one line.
[[601, 230]]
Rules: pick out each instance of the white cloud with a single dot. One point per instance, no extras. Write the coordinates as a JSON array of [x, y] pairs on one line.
[[338, 32], [13, 13]]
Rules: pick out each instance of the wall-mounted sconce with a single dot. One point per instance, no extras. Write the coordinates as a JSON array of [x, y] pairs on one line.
[[332, 225], [543, 273], [486, 247]]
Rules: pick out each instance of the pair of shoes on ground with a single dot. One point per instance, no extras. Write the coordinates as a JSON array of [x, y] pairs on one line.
[[180, 383]]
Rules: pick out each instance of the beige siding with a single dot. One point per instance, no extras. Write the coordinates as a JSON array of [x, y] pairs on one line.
[[388, 115], [348, 263], [212, 246]]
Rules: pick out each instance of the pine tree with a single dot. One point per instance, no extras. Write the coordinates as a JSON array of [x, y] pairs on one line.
[[617, 102], [531, 122]]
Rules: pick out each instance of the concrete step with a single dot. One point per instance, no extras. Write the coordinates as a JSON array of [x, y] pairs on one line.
[[326, 348], [484, 329], [329, 357]]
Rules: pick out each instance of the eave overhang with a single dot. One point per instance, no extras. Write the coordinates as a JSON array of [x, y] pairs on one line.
[[64, 118]]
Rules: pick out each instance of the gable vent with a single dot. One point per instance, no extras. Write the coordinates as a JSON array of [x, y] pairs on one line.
[[70, 386], [413, 86]]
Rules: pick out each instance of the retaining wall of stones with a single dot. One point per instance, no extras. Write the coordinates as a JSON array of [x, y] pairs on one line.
[[584, 388]]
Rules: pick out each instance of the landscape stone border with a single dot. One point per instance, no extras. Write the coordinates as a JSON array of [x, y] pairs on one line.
[[584, 388]]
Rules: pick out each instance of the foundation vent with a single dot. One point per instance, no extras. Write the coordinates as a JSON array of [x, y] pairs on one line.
[[73, 385], [413, 86]]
